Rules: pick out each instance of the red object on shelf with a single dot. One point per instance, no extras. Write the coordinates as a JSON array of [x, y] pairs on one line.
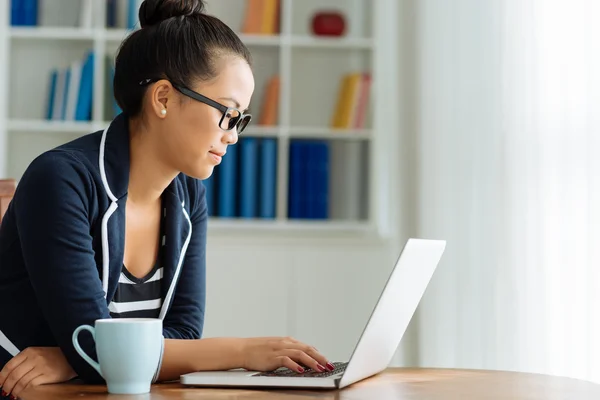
[[328, 23]]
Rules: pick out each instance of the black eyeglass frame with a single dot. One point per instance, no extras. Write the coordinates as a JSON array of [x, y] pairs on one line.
[[242, 120]]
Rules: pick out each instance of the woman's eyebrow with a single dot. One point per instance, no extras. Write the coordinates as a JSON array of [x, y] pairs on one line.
[[237, 104]]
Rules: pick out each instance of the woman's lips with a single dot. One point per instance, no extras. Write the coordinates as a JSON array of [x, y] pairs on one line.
[[217, 156]]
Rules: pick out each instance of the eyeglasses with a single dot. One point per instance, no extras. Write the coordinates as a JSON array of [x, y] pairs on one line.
[[231, 118]]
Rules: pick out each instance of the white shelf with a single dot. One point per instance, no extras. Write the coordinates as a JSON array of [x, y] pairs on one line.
[[261, 131], [330, 134], [307, 132], [331, 42], [51, 33], [262, 40], [33, 125], [117, 35], [325, 226], [51, 126]]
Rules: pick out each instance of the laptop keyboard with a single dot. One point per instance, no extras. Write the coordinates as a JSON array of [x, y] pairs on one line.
[[339, 367]]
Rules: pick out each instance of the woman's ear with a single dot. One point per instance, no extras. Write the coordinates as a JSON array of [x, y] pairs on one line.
[[162, 97]]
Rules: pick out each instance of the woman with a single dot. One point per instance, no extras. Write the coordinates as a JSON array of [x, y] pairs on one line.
[[114, 224]]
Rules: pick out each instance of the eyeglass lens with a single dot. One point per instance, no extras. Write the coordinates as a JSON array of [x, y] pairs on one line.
[[232, 118]]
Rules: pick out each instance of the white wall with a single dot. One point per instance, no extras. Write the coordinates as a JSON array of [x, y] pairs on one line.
[[318, 290]]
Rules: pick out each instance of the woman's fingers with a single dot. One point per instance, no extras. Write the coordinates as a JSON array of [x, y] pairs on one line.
[[314, 356], [10, 366], [320, 358], [15, 376], [26, 380], [285, 361], [301, 357]]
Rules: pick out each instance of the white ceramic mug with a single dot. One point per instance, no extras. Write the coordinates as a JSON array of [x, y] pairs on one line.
[[128, 350]]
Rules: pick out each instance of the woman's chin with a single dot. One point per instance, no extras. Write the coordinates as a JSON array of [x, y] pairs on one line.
[[201, 172]]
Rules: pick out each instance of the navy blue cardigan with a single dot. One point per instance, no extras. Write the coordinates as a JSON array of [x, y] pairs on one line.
[[62, 243]]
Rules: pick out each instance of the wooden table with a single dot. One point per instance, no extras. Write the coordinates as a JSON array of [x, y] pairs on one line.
[[394, 383]]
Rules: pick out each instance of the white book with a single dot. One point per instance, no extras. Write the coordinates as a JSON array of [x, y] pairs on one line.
[[122, 7], [346, 181], [85, 14], [73, 95], [61, 80]]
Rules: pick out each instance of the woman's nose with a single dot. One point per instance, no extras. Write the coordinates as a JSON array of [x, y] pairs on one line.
[[231, 137]]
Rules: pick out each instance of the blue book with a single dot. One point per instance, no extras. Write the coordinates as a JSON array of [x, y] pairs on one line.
[[321, 188], [295, 180], [132, 13], [30, 12], [111, 13], [248, 177], [83, 111], [17, 13], [268, 176], [309, 180], [306, 179], [65, 98], [310, 163], [51, 93], [228, 183]]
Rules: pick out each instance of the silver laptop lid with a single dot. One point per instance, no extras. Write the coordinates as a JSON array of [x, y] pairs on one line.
[[394, 309]]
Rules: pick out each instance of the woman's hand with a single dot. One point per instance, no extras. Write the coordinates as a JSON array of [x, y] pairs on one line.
[[32, 367], [270, 353]]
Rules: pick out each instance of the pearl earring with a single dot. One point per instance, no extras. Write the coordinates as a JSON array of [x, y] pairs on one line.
[[163, 111]]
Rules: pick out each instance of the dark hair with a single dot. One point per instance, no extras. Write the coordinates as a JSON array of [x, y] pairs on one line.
[[177, 41]]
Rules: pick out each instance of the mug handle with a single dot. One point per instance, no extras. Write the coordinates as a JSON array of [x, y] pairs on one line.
[[80, 350]]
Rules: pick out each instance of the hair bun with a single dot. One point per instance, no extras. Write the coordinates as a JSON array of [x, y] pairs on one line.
[[153, 12]]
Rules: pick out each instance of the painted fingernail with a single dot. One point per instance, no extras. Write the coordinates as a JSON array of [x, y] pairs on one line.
[[330, 366], [13, 397], [4, 394], [300, 369], [320, 367]]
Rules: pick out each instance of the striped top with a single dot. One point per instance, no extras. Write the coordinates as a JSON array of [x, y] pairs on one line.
[[140, 297]]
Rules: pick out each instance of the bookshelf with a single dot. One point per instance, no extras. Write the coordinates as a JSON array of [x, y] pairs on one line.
[[310, 69]]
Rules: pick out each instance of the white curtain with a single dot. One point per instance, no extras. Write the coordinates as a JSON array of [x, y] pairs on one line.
[[508, 136]]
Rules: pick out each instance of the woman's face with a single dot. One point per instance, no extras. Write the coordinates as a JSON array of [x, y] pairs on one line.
[[190, 136]]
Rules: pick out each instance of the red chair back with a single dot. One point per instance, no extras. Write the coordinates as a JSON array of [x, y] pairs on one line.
[[7, 191]]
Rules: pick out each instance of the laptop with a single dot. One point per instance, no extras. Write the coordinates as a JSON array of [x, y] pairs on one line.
[[377, 344]]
